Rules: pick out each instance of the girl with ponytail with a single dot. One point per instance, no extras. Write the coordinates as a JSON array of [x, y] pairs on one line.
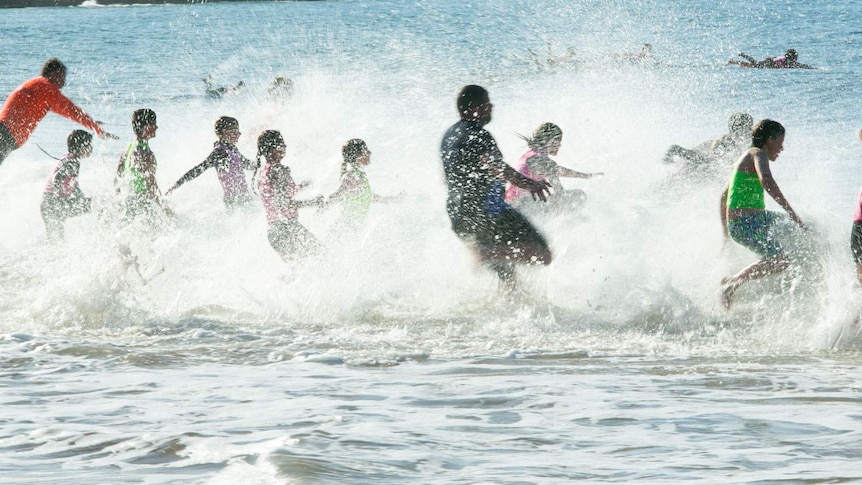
[[277, 189]]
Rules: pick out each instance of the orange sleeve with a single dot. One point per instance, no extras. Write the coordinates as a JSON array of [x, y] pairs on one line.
[[63, 106], [28, 104]]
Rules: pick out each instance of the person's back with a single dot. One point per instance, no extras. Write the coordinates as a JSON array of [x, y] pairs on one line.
[[469, 181]]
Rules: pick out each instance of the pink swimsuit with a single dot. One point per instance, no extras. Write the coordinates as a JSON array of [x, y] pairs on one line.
[[276, 200], [513, 192], [69, 185]]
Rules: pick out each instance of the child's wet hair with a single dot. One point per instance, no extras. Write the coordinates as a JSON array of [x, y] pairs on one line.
[[543, 136], [268, 140], [764, 130], [225, 123], [78, 139], [351, 151], [141, 118]]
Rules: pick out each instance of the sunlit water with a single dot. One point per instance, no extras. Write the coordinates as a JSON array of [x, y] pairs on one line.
[[392, 358]]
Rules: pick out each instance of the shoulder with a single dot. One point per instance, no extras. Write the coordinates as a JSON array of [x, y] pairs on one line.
[[43, 85], [218, 154], [541, 158]]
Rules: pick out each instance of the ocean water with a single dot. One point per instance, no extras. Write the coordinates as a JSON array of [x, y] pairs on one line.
[[392, 359]]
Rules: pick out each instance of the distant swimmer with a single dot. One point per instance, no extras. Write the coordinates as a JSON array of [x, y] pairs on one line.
[[31, 101], [475, 176], [281, 88], [62, 197], [551, 60], [354, 193], [644, 55], [136, 172], [787, 61], [743, 210], [219, 92], [228, 163], [537, 164], [289, 238], [713, 154]]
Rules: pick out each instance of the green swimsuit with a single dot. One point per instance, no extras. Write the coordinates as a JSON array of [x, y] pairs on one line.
[[745, 191]]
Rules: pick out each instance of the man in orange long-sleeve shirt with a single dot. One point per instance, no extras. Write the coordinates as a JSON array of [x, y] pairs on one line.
[[28, 104]]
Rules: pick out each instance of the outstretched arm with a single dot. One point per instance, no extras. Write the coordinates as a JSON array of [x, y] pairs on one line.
[[318, 201], [761, 164], [539, 189], [747, 57], [193, 173], [567, 172], [249, 164], [63, 106]]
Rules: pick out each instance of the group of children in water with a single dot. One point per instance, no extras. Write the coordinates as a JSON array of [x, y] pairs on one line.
[[477, 213], [141, 197]]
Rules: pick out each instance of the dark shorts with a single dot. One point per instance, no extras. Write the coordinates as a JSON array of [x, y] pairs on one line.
[[504, 235], [856, 242], [60, 209], [7, 142], [756, 232], [238, 201], [55, 211], [291, 240]]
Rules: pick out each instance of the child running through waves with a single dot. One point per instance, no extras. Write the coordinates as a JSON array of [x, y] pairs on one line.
[[537, 164], [62, 197], [856, 231], [136, 173], [354, 193], [277, 192], [744, 213], [228, 163]]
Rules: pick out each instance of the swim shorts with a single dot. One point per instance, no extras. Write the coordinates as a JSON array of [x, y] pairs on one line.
[[501, 235], [856, 242], [754, 231], [290, 239], [7, 142]]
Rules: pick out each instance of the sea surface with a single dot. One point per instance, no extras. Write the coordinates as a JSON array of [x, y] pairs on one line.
[[203, 358]]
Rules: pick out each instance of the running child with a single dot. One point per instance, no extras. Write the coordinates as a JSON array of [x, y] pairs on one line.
[[228, 163], [62, 197], [537, 164], [277, 192], [136, 172], [354, 193], [856, 231], [744, 213]]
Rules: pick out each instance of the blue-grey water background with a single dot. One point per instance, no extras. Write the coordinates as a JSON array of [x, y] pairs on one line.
[[392, 359]]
